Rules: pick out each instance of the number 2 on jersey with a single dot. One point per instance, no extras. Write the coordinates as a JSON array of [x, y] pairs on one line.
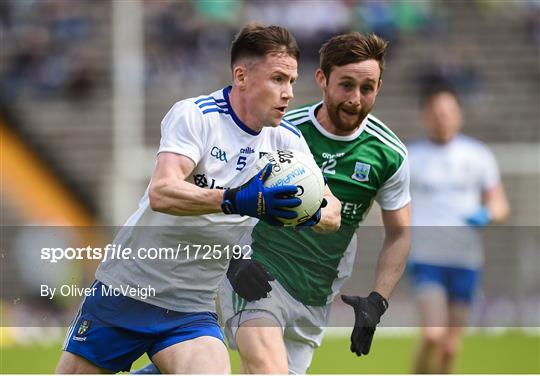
[[329, 166]]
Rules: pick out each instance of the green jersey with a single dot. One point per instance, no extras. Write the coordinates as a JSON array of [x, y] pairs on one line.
[[369, 165]]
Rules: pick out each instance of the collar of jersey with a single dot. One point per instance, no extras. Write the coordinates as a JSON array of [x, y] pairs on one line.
[[329, 135], [235, 118]]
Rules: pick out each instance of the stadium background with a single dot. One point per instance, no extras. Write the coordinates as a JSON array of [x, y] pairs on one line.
[[84, 85]]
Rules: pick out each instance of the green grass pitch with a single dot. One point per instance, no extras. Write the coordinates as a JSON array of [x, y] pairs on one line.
[[513, 352]]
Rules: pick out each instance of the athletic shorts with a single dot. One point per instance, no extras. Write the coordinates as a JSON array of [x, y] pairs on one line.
[[302, 326], [460, 284], [113, 331]]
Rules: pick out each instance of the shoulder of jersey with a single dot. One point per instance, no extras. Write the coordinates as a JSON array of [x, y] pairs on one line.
[[418, 144], [471, 142], [207, 104], [298, 116], [376, 128]]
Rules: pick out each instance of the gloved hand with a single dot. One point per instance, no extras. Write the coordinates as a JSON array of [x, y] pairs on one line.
[[367, 314], [256, 200], [249, 279], [479, 218], [315, 218]]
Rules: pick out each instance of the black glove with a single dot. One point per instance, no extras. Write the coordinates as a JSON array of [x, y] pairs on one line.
[[367, 314], [249, 279]]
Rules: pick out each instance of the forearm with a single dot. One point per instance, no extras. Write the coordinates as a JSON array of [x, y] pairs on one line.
[[330, 216], [497, 203], [182, 198], [392, 261]]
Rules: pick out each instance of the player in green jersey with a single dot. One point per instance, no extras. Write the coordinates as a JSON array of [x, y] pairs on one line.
[[363, 161]]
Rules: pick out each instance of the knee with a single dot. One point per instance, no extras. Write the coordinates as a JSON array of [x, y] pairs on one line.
[[451, 346], [263, 356], [262, 349], [433, 337]]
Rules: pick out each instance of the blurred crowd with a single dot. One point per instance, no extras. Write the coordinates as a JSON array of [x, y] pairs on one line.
[[57, 48], [45, 48]]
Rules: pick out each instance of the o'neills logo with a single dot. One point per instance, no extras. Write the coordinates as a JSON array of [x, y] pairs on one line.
[[247, 150], [260, 204]]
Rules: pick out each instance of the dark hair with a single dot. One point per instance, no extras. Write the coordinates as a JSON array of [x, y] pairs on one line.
[[351, 48], [257, 40], [434, 87]]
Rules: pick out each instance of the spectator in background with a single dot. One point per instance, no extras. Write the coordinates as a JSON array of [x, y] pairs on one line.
[[456, 188]]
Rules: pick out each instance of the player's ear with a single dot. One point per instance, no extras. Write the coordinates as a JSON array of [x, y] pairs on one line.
[[379, 84], [239, 75], [320, 78]]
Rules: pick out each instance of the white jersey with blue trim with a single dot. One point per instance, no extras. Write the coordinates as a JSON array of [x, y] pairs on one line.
[[447, 182], [225, 151]]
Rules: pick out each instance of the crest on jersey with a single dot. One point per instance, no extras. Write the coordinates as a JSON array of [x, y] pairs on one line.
[[83, 328], [361, 171]]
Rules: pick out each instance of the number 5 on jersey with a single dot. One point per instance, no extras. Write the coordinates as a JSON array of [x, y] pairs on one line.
[[241, 163]]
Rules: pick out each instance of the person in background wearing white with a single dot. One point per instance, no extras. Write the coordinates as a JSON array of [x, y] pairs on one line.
[[455, 188]]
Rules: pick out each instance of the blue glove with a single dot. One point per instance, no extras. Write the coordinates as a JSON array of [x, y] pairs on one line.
[[315, 218], [256, 200], [479, 218]]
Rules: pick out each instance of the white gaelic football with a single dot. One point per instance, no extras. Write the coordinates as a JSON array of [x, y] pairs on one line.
[[296, 168]]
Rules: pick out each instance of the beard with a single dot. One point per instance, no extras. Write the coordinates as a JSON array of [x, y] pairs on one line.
[[354, 117]]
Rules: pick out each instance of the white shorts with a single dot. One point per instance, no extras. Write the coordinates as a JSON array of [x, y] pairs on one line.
[[302, 326]]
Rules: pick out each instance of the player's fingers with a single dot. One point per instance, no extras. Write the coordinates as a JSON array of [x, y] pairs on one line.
[[263, 272], [252, 291], [361, 342], [308, 223], [260, 288], [244, 292], [284, 190], [367, 345], [285, 214], [287, 202]]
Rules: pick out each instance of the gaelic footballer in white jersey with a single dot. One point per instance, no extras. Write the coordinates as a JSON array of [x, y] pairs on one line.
[[445, 197], [225, 151]]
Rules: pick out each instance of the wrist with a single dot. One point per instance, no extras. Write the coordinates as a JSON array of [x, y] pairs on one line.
[[380, 303], [486, 213], [227, 202]]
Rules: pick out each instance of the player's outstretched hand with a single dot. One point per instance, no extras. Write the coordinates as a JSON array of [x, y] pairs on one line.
[[256, 200], [315, 218], [480, 218], [367, 314], [249, 279]]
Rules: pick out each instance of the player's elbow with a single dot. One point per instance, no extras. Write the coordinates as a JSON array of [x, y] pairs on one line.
[[156, 197]]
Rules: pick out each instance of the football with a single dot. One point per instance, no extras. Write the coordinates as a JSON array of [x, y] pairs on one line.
[[296, 168]]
